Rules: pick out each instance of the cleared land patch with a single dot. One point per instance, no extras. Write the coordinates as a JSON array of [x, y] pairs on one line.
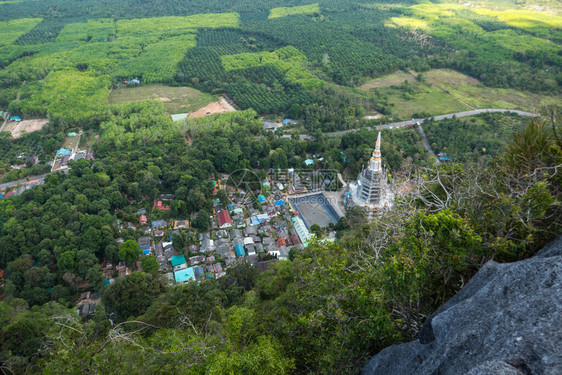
[[222, 106], [388, 80], [18, 128], [471, 91], [174, 99]]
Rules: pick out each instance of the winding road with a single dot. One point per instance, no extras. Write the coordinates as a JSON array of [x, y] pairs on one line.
[[402, 124]]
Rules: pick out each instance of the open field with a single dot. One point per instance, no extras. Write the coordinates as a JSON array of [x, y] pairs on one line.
[[472, 92], [18, 128], [175, 99], [388, 80], [426, 99]]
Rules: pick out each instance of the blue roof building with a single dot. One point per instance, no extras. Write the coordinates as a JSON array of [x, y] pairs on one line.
[[63, 152], [199, 271], [184, 275], [145, 249], [279, 203], [261, 198], [239, 250], [158, 223], [255, 221], [15, 118], [309, 162], [177, 260]]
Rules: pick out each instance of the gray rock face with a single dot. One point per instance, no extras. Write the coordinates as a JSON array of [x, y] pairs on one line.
[[506, 320]]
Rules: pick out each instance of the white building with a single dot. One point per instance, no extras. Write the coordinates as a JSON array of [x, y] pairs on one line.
[[371, 189], [303, 233]]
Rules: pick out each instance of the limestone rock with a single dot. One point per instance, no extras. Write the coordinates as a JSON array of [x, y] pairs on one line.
[[506, 320]]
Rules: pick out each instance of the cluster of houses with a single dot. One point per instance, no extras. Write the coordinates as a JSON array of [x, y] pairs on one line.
[[254, 227], [248, 228]]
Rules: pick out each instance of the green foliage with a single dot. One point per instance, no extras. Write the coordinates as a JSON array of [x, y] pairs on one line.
[[137, 124], [341, 56], [149, 263], [132, 295], [502, 55], [463, 140], [100, 30], [129, 251], [158, 61], [160, 25], [401, 148], [71, 96], [11, 30], [261, 357], [225, 41], [288, 11], [287, 60], [426, 267], [201, 221]]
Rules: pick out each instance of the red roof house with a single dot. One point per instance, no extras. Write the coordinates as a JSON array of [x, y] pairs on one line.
[[281, 242], [142, 219], [223, 219]]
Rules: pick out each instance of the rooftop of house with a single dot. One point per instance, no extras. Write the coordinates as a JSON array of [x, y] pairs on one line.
[[177, 260]]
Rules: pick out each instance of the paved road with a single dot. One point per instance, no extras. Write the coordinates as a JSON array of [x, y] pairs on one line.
[[427, 145], [402, 124], [24, 181]]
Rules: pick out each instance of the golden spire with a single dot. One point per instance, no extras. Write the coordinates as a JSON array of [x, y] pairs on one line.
[[375, 164]]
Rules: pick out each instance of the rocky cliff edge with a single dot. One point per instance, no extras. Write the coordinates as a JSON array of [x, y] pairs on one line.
[[506, 320]]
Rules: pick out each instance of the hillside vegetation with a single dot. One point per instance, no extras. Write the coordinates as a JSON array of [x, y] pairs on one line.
[[326, 311]]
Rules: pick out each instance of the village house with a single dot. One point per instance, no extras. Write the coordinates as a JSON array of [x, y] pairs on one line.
[[178, 262], [181, 224], [224, 220], [206, 243]]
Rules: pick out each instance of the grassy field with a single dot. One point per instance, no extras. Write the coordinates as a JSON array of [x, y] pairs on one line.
[[175, 99], [388, 80], [425, 99], [470, 91]]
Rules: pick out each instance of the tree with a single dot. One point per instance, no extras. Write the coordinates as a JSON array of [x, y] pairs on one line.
[[129, 252], [315, 228], [427, 266], [223, 197], [263, 357], [150, 264], [130, 296], [201, 221], [67, 262], [179, 241]]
